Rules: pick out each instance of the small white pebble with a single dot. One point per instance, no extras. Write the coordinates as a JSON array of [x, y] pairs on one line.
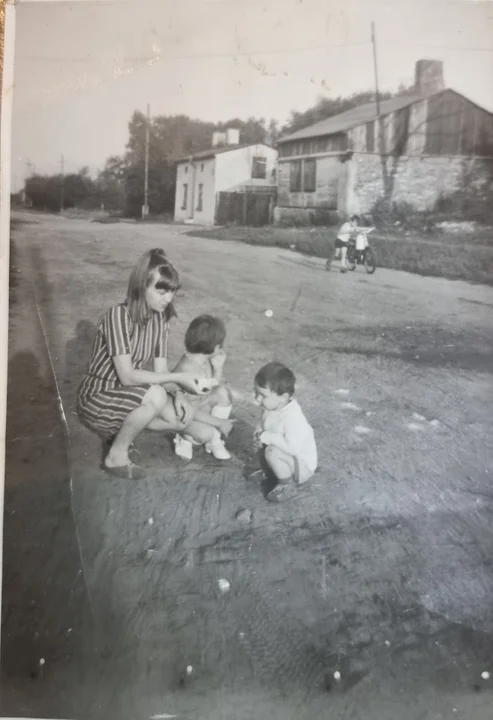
[[349, 406], [269, 313], [42, 661], [485, 675], [189, 669], [242, 635], [415, 426], [387, 642], [337, 675], [150, 521], [224, 585]]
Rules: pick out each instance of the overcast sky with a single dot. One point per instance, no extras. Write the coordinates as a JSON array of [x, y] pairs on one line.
[[83, 67]]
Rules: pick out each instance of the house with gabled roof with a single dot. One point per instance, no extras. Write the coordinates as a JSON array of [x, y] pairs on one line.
[[226, 167], [426, 144]]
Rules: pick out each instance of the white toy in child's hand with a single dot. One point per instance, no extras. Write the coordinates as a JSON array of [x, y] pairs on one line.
[[205, 385]]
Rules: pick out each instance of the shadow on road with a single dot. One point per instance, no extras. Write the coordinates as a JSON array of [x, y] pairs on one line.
[[77, 353], [45, 611]]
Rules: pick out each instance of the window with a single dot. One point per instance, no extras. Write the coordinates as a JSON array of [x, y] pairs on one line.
[[186, 168], [370, 136], [309, 175], [295, 176], [202, 167], [259, 168], [401, 130], [200, 198], [303, 176], [185, 196]]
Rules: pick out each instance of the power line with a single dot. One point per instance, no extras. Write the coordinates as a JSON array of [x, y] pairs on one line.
[[244, 53], [438, 47], [240, 53]]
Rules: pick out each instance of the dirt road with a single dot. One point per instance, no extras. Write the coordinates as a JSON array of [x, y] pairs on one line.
[[380, 571]]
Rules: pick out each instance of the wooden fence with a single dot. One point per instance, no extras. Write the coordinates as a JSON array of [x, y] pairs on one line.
[[245, 208]]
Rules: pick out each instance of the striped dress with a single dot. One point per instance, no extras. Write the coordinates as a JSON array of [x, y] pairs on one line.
[[103, 402]]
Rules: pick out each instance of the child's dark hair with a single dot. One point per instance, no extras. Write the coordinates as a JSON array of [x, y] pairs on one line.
[[204, 333], [276, 377], [355, 218]]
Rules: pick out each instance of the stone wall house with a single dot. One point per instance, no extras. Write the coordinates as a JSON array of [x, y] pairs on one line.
[[426, 144]]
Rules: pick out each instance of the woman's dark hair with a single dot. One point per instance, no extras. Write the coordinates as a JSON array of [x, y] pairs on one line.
[[151, 263], [277, 378], [204, 334]]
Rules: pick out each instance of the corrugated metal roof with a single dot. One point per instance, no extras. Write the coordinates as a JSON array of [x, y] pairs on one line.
[[356, 116], [212, 152]]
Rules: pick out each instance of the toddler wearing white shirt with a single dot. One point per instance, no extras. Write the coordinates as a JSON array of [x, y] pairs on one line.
[[284, 431]]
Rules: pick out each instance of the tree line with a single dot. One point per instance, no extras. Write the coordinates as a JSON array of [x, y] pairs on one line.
[[119, 187]]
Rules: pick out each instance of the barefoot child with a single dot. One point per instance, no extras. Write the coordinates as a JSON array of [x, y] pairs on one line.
[[284, 432], [205, 357]]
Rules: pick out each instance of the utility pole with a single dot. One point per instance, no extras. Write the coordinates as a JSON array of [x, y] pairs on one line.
[[62, 189], [145, 209], [377, 93]]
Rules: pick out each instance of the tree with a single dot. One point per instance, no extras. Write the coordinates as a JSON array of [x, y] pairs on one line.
[[171, 138], [328, 107], [79, 190], [111, 183]]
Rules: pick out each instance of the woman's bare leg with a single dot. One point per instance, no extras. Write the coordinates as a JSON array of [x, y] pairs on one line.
[[153, 404], [167, 420]]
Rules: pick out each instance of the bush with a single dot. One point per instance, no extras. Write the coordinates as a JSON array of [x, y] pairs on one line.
[[403, 215]]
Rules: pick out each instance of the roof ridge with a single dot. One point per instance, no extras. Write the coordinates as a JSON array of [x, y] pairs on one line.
[[219, 149], [399, 101]]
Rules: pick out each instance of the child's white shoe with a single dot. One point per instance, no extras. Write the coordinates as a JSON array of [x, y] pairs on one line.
[[183, 448], [216, 447]]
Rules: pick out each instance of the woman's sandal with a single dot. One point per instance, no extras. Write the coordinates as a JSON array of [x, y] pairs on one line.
[[127, 472], [132, 450]]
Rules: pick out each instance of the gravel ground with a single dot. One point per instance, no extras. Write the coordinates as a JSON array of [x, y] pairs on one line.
[[380, 570]]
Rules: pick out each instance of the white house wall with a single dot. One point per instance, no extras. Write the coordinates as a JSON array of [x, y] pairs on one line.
[[205, 176], [235, 167], [184, 175], [200, 172]]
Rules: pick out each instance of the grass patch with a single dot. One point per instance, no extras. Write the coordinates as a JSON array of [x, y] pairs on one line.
[[453, 256]]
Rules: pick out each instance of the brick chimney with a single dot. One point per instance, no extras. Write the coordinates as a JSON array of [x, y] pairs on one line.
[[429, 76]]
